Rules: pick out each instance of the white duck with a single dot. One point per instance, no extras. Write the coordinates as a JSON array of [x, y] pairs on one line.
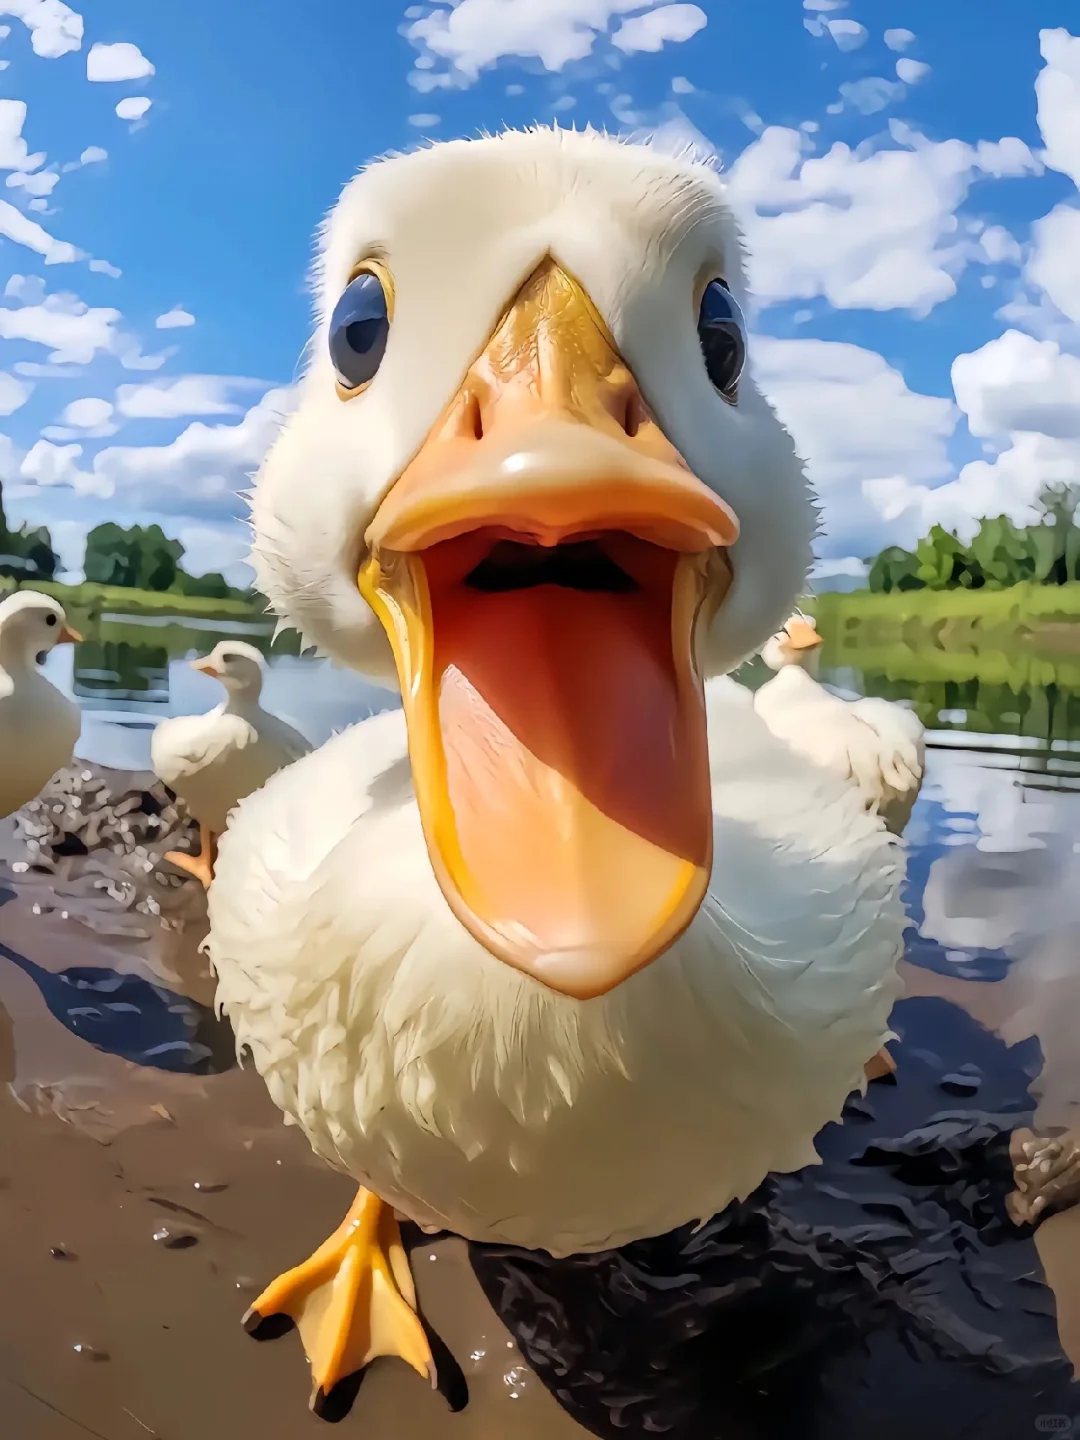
[[878, 745], [571, 951], [39, 727], [212, 761]]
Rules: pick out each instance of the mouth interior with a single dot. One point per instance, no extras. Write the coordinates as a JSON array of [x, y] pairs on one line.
[[582, 565], [569, 725]]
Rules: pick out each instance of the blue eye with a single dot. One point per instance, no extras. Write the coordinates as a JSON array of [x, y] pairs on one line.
[[359, 328], [722, 332]]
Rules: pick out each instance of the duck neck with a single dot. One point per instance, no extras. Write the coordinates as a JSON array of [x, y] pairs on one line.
[[15, 659], [243, 700]]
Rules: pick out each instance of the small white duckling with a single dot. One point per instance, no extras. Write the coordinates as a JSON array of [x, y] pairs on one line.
[[39, 726], [213, 761]]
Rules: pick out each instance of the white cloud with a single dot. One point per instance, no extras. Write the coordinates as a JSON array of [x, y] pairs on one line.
[[54, 28], [122, 61], [425, 121], [72, 331], [13, 393], [470, 35], [912, 71], [39, 182], [202, 471], [23, 231], [870, 94], [46, 465], [899, 39], [848, 34], [999, 245], [872, 228], [1057, 89], [175, 319], [1017, 383], [223, 548], [681, 86], [824, 4], [1022, 396], [185, 395], [92, 155], [134, 107], [88, 413], [669, 25], [14, 151], [1053, 266], [855, 422]]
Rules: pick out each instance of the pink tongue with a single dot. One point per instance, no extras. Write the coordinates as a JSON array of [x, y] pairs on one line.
[[574, 770]]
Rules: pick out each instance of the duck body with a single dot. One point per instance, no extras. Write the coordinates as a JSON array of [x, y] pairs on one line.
[[212, 761], [473, 1098], [570, 950], [39, 726], [877, 745]]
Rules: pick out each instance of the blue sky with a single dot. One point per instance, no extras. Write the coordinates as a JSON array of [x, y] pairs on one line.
[[906, 174]]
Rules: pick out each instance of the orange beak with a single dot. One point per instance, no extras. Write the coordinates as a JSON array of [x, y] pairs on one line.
[[801, 635], [206, 666], [68, 636], [540, 569]]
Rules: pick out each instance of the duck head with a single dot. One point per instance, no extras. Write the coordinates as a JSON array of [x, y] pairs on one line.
[[798, 643], [237, 665], [530, 478], [30, 625]]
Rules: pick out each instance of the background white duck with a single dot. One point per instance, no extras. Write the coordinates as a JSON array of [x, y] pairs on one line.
[[569, 951], [212, 761], [878, 745], [39, 727]]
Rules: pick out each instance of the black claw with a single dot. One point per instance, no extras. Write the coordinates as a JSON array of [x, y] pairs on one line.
[[335, 1405], [449, 1377], [266, 1327]]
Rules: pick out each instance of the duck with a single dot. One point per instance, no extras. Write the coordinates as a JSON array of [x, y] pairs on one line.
[[568, 950], [876, 744], [39, 726], [213, 761]]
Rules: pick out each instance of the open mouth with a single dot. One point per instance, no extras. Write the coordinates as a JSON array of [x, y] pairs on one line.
[[541, 572], [557, 733]]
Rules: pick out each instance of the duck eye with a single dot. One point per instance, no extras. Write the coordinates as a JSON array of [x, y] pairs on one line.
[[359, 328], [50, 619], [722, 332]]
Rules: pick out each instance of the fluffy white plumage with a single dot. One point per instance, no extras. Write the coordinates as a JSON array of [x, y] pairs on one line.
[[471, 1096], [39, 727], [212, 761], [872, 742], [457, 1088]]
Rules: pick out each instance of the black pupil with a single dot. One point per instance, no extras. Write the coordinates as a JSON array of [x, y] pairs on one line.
[[359, 328], [723, 337], [50, 619]]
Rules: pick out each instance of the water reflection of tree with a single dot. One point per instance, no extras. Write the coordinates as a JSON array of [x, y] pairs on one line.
[[120, 670]]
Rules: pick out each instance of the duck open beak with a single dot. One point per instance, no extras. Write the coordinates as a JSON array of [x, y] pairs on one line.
[[68, 636], [541, 568], [801, 635]]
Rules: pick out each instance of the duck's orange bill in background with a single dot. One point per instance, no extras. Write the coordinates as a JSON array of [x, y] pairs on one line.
[[801, 635], [540, 569]]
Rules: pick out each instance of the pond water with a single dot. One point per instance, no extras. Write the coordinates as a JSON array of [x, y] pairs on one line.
[[130, 672], [885, 1292]]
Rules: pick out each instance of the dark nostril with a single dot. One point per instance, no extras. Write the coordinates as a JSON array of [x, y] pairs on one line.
[[633, 412], [474, 417]]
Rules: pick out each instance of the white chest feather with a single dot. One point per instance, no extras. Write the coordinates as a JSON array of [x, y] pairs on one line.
[[471, 1097], [39, 728]]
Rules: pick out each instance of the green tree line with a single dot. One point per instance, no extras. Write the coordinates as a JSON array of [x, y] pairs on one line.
[[135, 557], [1000, 553]]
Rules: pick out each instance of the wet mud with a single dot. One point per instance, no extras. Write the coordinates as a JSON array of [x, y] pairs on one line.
[[148, 1190]]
